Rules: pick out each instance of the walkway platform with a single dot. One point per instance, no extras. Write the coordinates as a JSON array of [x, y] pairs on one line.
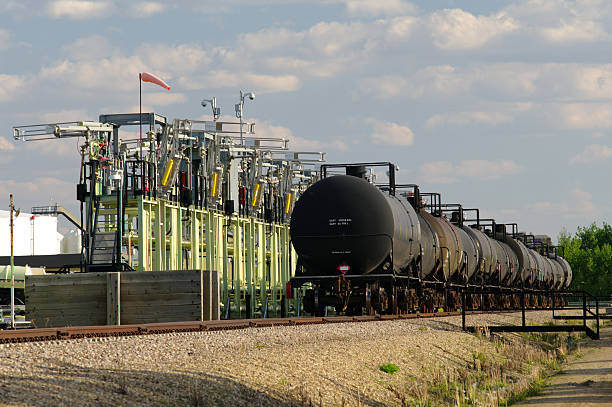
[[585, 382]]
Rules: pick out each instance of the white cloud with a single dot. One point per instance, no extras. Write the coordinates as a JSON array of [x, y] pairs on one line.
[[592, 153], [270, 39], [443, 172], [147, 8], [258, 83], [335, 38], [575, 31], [430, 81], [9, 86], [586, 116], [504, 81], [378, 7], [390, 133], [67, 115], [79, 9], [116, 73], [6, 145], [468, 118], [317, 69], [268, 129], [457, 29], [387, 87], [401, 27], [44, 190], [272, 83], [183, 58], [92, 47], [592, 81], [164, 98]]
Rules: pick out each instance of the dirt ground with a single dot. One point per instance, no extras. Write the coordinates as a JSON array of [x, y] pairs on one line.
[[585, 382]]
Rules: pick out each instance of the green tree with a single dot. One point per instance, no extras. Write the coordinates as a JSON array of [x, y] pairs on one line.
[[589, 253]]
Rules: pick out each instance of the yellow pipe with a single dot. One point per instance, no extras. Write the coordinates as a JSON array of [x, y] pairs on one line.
[[288, 204], [255, 196], [214, 183], [167, 173]]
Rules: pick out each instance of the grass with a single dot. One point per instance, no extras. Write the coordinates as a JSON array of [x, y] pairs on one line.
[[498, 370], [389, 368], [501, 372], [533, 390]]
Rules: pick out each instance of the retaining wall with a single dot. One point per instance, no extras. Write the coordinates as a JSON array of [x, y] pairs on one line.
[[122, 298]]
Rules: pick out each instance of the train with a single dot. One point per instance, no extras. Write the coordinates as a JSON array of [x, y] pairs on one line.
[[371, 247]]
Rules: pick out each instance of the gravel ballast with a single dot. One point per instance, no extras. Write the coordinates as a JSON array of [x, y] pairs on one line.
[[332, 364]]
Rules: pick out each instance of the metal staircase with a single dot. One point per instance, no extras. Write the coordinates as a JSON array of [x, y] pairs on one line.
[[104, 247]]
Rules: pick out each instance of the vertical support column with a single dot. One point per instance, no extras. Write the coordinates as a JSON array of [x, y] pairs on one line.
[[250, 264], [194, 261], [202, 249], [274, 266], [261, 260], [143, 235], [216, 311], [237, 263], [178, 234], [175, 238], [223, 258], [293, 265], [285, 267], [210, 240], [160, 236], [113, 298]]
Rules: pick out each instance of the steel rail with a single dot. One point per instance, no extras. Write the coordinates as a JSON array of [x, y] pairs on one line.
[[99, 331]]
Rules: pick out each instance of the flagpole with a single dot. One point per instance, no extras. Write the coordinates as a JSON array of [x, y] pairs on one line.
[[140, 116]]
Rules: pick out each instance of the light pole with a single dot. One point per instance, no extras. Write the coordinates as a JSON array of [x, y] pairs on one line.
[[12, 209], [240, 106]]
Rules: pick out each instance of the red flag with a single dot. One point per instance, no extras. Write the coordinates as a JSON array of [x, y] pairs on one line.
[[149, 77]]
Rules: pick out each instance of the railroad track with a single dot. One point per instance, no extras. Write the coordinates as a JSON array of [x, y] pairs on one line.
[[100, 331]]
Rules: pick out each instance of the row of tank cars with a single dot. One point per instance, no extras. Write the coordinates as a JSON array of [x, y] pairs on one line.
[[390, 248]]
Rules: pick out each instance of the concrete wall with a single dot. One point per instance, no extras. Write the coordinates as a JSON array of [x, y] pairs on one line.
[[122, 298]]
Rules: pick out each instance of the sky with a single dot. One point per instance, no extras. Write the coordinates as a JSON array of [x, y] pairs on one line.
[[500, 105]]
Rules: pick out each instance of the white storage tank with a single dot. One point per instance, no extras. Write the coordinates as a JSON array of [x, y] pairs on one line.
[[71, 242], [33, 235]]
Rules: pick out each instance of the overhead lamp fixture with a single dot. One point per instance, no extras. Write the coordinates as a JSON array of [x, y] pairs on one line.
[[216, 111], [239, 108]]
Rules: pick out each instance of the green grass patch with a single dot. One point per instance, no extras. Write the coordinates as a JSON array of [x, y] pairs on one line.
[[534, 390], [389, 368]]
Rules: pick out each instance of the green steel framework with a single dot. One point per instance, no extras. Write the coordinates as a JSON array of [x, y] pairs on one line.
[[254, 259]]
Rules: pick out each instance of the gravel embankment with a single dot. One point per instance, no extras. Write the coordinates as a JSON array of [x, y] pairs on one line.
[[337, 364]]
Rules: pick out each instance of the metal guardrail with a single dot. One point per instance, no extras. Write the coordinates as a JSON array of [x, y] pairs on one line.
[[587, 313]]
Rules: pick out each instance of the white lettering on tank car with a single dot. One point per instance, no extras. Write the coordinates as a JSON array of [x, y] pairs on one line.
[[339, 221]]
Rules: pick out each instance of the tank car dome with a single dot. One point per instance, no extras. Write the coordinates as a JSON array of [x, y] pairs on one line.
[[342, 221]]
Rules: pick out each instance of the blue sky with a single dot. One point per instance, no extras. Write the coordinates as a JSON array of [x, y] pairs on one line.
[[499, 105]]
